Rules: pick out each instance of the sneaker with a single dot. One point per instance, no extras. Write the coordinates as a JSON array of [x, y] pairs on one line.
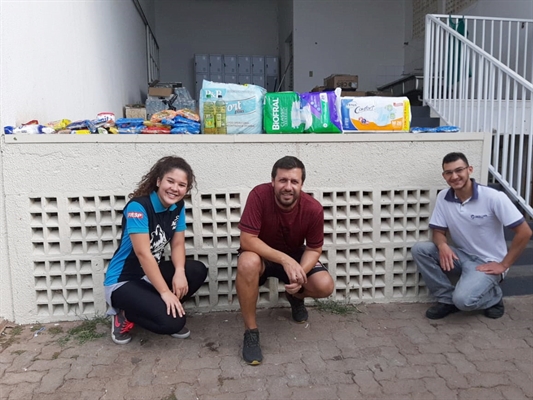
[[440, 310], [120, 328], [251, 350], [299, 312], [496, 311], [183, 334]]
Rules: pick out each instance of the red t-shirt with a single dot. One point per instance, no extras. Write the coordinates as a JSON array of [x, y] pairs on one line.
[[285, 231]]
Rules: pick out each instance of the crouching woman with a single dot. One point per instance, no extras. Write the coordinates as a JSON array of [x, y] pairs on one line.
[[140, 286]]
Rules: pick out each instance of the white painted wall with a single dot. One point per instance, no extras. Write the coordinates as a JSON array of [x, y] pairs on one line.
[[359, 37], [501, 8], [69, 59], [189, 27], [285, 17], [329, 36], [51, 181]]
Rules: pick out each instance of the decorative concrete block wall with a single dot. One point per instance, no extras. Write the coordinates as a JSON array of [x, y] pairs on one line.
[[63, 197]]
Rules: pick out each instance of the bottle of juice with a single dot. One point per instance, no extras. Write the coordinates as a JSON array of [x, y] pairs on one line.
[[208, 124], [220, 115]]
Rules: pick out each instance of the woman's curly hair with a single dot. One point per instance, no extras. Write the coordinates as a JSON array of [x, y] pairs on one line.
[[148, 183]]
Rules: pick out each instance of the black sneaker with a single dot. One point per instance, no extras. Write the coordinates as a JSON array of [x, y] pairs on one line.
[[440, 310], [496, 311], [251, 350], [120, 328], [299, 312]]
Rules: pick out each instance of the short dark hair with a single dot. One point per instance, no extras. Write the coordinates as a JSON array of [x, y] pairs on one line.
[[451, 157], [288, 162]]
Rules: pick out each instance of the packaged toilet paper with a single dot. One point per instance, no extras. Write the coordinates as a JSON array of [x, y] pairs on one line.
[[375, 114], [244, 105]]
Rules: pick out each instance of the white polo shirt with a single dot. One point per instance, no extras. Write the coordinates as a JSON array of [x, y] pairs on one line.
[[476, 226]]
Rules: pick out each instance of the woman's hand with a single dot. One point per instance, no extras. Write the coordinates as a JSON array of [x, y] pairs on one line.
[[180, 286], [173, 304]]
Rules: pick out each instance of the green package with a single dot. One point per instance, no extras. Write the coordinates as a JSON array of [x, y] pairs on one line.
[[281, 113]]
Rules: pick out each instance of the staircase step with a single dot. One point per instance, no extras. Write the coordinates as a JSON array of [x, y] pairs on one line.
[[526, 258], [519, 281], [420, 111], [425, 122], [509, 234]]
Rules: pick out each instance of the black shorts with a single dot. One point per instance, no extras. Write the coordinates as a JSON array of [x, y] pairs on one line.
[[276, 270]]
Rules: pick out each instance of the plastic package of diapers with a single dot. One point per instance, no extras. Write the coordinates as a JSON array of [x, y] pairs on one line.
[[375, 114], [281, 113], [320, 112], [244, 105]]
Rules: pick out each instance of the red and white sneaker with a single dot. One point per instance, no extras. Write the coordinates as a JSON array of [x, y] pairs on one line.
[[120, 328]]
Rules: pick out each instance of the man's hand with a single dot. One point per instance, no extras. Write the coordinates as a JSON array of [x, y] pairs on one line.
[[293, 288], [173, 304], [492, 268], [294, 271], [446, 257], [180, 286]]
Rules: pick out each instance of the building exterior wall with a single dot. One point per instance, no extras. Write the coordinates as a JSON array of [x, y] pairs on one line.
[[70, 59], [64, 195]]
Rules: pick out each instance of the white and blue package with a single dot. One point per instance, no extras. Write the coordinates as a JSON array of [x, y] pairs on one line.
[[244, 105]]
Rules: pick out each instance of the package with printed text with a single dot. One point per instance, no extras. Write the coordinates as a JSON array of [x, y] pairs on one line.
[[244, 105], [375, 114]]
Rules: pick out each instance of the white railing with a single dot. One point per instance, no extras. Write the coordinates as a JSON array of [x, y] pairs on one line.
[[474, 89]]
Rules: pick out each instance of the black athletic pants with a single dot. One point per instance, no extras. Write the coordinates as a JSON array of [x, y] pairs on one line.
[[143, 305]]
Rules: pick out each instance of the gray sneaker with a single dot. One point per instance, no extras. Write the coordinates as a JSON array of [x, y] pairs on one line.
[[251, 350], [183, 334]]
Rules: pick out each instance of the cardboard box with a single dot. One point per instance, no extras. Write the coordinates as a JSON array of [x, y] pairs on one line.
[[378, 93], [318, 89], [160, 91], [342, 81], [135, 111], [352, 93]]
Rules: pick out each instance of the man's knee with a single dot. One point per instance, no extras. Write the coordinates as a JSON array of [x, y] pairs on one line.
[[422, 248], [465, 301], [249, 265], [327, 287], [322, 285]]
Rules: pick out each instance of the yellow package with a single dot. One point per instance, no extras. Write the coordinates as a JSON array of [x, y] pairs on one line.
[[59, 124]]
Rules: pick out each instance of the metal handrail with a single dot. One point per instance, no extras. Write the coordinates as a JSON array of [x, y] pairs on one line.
[[506, 39], [470, 88], [152, 47]]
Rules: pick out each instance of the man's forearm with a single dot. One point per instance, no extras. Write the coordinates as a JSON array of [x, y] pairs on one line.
[[256, 245], [519, 243], [309, 258]]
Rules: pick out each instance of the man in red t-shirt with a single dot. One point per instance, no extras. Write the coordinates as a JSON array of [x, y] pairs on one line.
[[282, 233]]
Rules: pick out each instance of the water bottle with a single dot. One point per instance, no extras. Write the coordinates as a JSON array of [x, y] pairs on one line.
[[220, 118], [209, 116]]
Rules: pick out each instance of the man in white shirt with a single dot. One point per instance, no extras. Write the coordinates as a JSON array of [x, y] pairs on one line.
[[474, 217]]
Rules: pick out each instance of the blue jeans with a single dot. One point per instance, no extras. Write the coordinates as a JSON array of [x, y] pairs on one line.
[[474, 290]]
